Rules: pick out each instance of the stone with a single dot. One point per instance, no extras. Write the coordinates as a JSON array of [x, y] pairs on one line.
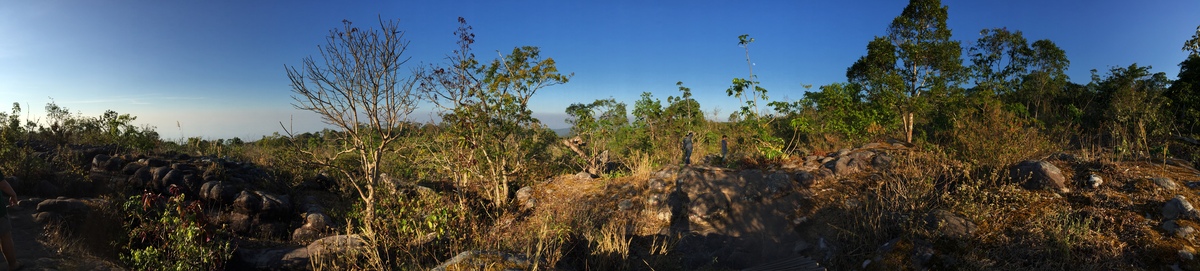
[[1037, 175], [158, 173], [130, 168], [524, 197], [625, 205], [657, 185], [1094, 181], [881, 161], [64, 206], [805, 179], [173, 177], [842, 152], [871, 145], [155, 162], [218, 191], [1165, 183], [305, 234], [949, 224], [336, 245], [825, 160], [583, 175], [47, 217], [1179, 207], [141, 177], [99, 161], [241, 223], [318, 221], [274, 206], [844, 166], [486, 260], [248, 203]]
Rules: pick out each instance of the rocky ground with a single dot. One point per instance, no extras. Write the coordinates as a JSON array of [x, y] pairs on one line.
[[1136, 214]]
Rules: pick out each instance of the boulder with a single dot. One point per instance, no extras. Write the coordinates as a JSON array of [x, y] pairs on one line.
[[1037, 175], [336, 245], [47, 217], [305, 234], [1165, 183], [248, 202], [525, 197], [1094, 181], [949, 224], [155, 162], [99, 161], [845, 165], [274, 206], [881, 161], [1179, 207], [173, 177], [318, 221], [218, 191], [141, 177], [241, 223], [158, 173], [484, 260], [130, 168], [64, 206], [1172, 227], [805, 179]]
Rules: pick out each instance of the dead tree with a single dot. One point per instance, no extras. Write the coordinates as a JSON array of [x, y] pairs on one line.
[[596, 164]]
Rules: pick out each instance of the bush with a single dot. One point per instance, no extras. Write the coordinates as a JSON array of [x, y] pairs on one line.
[[171, 234]]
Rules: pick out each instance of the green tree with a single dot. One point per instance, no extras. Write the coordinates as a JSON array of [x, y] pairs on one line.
[[491, 133], [999, 59], [1134, 105], [683, 113], [916, 60], [749, 84], [1184, 93]]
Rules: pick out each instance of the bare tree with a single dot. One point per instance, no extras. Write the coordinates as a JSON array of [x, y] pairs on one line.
[[358, 88]]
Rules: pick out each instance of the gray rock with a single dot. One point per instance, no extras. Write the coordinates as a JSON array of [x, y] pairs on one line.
[[1037, 175], [1094, 181], [524, 195], [1186, 255], [248, 203], [1179, 207], [241, 223], [484, 260], [1165, 183], [881, 161], [64, 206], [141, 177], [805, 179], [47, 217], [318, 221], [842, 152], [98, 162], [305, 234], [845, 166], [871, 145], [158, 173], [336, 245], [949, 224], [130, 168], [657, 185], [218, 191], [583, 175], [1173, 228], [274, 206], [625, 205]]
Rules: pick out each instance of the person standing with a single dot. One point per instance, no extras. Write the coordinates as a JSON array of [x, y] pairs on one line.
[[6, 239], [687, 149]]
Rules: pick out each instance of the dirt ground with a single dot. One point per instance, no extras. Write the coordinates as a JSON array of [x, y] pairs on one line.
[[35, 254]]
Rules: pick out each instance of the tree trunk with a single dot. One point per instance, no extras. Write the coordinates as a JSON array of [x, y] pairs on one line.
[[908, 127]]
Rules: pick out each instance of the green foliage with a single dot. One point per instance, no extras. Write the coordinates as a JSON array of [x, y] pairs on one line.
[[1184, 96], [915, 61], [170, 234], [1135, 103], [491, 135]]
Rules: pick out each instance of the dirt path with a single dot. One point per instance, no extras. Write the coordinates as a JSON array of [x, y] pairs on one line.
[[37, 255]]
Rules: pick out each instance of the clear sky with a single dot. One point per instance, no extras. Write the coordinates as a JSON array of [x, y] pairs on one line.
[[215, 69]]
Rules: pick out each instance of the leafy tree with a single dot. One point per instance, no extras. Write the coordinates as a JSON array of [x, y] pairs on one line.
[[1134, 99], [358, 88], [492, 134], [999, 59], [683, 113], [1184, 93], [914, 61]]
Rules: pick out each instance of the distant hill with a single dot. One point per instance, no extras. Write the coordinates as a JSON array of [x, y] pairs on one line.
[[562, 132]]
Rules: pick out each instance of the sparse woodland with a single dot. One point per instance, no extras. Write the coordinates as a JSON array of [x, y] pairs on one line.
[[934, 153]]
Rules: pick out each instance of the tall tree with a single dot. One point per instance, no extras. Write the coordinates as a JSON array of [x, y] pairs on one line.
[[359, 88], [915, 60], [999, 59]]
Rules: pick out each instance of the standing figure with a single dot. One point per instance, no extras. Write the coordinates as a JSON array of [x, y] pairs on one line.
[[687, 149], [724, 147], [6, 240]]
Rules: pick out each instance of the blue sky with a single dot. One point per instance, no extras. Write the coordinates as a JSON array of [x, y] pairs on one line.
[[215, 69]]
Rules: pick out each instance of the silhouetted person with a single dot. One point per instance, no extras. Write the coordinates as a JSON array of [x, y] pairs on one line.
[[724, 147], [6, 240], [687, 149]]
